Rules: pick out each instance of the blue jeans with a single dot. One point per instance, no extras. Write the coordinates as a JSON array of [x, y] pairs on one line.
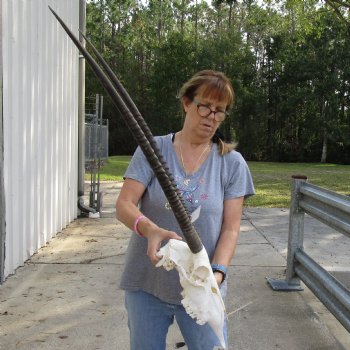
[[149, 319]]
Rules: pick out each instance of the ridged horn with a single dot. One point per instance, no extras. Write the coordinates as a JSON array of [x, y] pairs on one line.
[[134, 110], [146, 143]]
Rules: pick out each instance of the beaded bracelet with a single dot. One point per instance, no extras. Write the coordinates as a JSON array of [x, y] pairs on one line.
[[220, 268], [136, 223]]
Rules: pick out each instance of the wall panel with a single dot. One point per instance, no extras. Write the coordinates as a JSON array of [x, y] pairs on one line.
[[40, 114]]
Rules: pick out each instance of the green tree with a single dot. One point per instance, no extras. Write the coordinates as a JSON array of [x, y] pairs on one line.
[[288, 61]]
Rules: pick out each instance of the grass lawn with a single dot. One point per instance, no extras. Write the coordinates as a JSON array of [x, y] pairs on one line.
[[113, 170], [272, 180]]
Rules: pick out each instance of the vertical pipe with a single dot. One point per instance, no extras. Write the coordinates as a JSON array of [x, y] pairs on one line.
[[81, 107], [95, 145], [81, 113], [296, 229], [2, 187], [100, 122]]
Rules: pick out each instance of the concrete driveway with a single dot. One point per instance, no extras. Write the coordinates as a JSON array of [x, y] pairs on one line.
[[66, 296]]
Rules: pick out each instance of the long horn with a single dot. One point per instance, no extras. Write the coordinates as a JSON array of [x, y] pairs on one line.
[[135, 112], [161, 172]]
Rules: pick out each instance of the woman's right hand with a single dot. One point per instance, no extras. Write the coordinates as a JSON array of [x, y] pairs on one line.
[[155, 237]]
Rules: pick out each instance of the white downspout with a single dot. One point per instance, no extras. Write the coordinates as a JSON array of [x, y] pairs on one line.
[[81, 114]]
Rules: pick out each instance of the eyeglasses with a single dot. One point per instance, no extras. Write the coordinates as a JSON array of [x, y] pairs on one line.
[[205, 111]]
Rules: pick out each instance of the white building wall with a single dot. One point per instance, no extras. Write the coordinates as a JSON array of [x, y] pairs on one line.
[[40, 122]]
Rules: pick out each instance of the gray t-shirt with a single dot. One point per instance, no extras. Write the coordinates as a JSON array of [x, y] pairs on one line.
[[219, 178]]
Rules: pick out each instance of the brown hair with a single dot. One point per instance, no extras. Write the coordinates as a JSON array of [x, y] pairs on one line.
[[215, 85]]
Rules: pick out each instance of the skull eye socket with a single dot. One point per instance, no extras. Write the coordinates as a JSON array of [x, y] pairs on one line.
[[201, 272]]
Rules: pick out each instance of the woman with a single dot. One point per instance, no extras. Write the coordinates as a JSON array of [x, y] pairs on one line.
[[210, 174]]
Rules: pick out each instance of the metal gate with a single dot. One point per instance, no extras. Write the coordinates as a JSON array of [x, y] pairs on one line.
[[96, 147]]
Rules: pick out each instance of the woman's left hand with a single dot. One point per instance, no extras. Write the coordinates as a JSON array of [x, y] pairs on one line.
[[219, 278]]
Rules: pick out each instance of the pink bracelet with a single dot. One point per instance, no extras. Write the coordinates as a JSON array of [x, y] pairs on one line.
[[136, 223]]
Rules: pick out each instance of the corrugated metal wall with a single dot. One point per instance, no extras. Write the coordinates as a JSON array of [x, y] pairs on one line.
[[40, 122], [2, 186]]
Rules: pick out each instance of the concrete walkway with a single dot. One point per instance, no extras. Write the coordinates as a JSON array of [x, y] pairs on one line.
[[67, 297]]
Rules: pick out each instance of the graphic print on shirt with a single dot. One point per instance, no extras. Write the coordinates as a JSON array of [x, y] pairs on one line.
[[193, 192]]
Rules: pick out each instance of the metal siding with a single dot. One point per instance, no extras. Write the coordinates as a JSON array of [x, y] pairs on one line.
[[40, 113], [2, 187]]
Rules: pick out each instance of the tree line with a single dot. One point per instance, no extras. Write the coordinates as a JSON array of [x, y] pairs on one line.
[[289, 63]]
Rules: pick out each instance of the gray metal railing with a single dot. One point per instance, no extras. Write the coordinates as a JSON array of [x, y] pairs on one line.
[[333, 209]]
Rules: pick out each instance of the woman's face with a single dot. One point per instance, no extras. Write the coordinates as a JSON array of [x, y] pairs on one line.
[[202, 126]]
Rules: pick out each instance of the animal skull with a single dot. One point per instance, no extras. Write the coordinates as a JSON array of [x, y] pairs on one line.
[[201, 295]]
